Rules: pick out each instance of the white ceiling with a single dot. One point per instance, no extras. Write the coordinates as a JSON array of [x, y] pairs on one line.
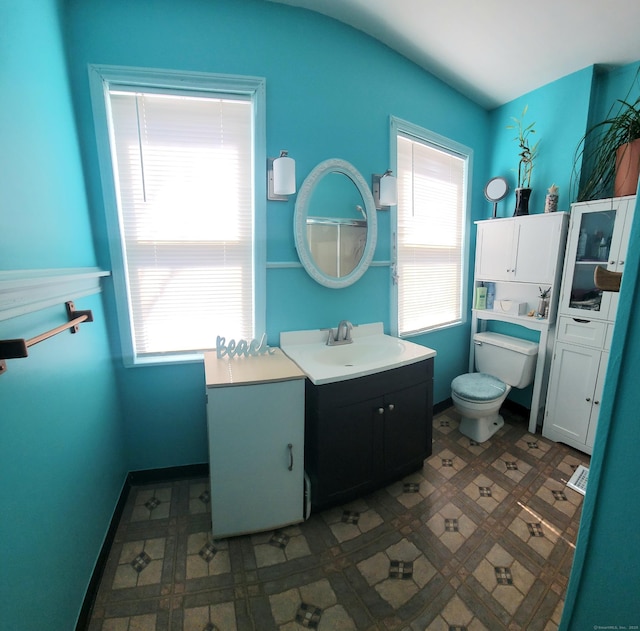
[[496, 50]]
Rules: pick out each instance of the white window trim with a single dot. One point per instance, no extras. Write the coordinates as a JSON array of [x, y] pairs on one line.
[[398, 126], [101, 79]]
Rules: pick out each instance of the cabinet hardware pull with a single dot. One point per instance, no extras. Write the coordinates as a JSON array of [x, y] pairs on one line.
[[391, 407], [596, 403], [581, 321], [621, 263], [290, 446], [380, 410], [588, 398]]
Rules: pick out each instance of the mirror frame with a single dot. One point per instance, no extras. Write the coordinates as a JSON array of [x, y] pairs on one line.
[[333, 165]]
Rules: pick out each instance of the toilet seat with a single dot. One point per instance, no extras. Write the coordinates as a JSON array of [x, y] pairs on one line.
[[478, 386]]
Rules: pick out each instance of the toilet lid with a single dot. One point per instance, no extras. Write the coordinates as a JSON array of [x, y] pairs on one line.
[[478, 386]]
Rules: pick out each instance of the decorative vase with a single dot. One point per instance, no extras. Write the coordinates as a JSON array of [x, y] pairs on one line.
[[522, 201], [543, 304], [627, 169], [551, 203]]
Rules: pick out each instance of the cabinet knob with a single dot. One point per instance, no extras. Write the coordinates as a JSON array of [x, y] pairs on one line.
[[290, 446], [380, 410], [596, 403], [588, 398], [621, 263], [391, 407]]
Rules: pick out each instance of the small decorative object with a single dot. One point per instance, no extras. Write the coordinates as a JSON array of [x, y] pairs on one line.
[[525, 165], [242, 348], [551, 201], [543, 303]]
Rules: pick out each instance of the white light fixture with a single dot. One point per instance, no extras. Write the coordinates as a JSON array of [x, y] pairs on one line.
[[385, 190], [281, 176]]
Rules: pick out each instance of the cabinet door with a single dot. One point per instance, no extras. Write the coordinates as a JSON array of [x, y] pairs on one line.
[[536, 239], [596, 237], [348, 438], [494, 259], [618, 251], [597, 398], [256, 447], [407, 428], [572, 383]]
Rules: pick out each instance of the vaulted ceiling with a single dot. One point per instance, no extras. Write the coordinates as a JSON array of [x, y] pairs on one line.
[[496, 50]]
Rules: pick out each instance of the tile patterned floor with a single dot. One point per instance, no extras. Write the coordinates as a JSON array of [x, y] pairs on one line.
[[482, 538]]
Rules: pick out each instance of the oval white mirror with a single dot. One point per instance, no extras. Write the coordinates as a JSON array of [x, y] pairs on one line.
[[335, 224]]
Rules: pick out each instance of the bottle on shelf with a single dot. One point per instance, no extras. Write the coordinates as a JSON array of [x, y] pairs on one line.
[[582, 245]]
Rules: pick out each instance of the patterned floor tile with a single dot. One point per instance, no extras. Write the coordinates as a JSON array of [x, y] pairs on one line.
[[479, 539]]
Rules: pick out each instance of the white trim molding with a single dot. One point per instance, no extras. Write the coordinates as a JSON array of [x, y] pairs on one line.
[[26, 291]]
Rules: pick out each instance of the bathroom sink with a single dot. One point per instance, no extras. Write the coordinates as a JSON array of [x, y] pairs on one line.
[[370, 352]]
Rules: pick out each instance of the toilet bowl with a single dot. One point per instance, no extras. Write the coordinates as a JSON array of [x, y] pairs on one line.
[[503, 362]]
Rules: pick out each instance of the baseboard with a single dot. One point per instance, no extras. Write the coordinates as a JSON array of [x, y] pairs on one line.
[[442, 406], [98, 570], [133, 478], [169, 474]]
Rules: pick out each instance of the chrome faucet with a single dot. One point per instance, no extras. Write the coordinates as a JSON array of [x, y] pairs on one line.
[[342, 334]]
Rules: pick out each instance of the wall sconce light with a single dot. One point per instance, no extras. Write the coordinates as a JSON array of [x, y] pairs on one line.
[[385, 190], [281, 177]]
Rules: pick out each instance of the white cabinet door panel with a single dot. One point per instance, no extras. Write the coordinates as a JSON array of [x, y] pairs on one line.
[[571, 390], [256, 447]]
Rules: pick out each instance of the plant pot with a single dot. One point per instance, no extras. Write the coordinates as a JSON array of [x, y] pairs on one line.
[[627, 169], [522, 201]]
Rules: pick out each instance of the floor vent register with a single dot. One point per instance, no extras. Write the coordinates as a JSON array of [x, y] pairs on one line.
[[579, 479]]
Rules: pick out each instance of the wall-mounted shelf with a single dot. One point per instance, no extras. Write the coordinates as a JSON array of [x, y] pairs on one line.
[[26, 291]]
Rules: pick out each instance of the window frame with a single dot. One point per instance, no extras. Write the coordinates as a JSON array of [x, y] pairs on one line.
[[103, 78], [399, 127]]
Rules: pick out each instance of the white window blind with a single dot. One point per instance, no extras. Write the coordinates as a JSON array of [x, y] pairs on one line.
[[183, 169], [430, 220]]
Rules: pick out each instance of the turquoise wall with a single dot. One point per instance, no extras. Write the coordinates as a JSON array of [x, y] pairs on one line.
[[67, 439], [330, 93], [62, 460]]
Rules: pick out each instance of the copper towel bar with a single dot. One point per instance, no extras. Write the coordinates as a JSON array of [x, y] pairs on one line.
[[12, 349]]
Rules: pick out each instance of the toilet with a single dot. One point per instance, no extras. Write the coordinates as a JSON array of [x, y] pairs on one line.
[[503, 362]]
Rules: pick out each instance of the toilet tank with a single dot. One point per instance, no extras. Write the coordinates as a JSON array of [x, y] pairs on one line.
[[508, 358]]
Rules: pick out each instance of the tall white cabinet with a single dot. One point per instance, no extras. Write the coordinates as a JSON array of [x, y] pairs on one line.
[[598, 235], [519, 255], [255, 419]]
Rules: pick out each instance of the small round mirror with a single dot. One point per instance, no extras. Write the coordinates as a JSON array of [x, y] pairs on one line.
[[495, 190]]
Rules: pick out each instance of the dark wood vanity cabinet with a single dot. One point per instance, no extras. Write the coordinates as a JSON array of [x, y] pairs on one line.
[[363, 433]]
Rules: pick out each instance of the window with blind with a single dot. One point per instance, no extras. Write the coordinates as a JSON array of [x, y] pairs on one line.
[[430, 230], [182, 165]]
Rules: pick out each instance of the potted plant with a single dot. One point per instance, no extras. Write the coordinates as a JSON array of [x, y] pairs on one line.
[[527, 154], [609, 153]]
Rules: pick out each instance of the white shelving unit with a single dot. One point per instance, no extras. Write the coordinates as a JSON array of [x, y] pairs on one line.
[[598, 235], [519, 255]]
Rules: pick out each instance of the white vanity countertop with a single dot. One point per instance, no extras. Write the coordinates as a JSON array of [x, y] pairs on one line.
[[371, 352], [242, 371]]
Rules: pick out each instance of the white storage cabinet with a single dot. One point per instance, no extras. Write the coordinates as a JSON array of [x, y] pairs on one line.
[[520, 255], [255, 419], [598, 235]]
